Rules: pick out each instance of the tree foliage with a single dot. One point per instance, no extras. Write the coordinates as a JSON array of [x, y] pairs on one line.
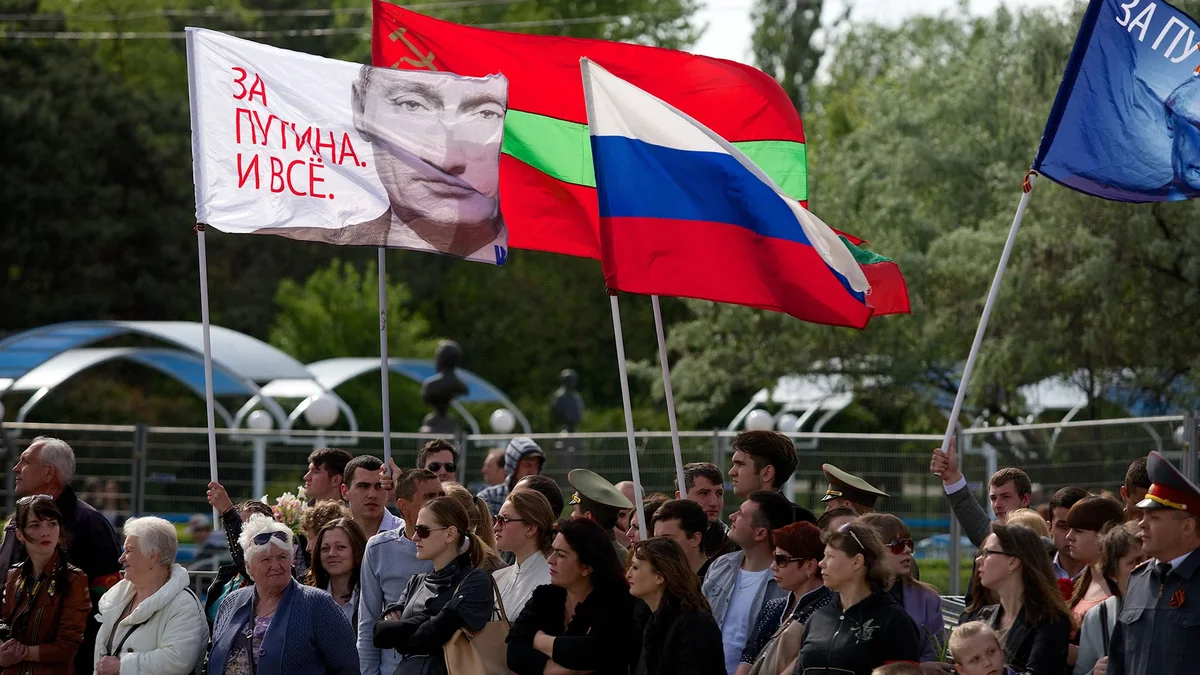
[[785, 44]]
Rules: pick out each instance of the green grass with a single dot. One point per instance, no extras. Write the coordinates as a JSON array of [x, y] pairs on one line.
[[937, 573]]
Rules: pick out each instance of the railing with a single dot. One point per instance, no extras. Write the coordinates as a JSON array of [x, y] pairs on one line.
[[129, 470]]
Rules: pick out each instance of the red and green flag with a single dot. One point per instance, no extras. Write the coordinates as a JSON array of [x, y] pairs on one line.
[[547, 184]]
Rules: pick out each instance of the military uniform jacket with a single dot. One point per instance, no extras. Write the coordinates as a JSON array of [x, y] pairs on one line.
[[1158, 628]]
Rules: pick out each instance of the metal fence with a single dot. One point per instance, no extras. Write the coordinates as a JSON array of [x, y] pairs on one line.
[[129, 470]]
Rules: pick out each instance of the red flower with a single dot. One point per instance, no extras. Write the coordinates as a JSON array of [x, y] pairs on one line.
[[1066, 587]]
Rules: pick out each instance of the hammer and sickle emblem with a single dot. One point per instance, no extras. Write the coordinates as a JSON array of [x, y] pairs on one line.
[[422, 60]]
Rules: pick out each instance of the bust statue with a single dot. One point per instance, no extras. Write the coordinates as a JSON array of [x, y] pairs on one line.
[[439, 390], [566, 407]]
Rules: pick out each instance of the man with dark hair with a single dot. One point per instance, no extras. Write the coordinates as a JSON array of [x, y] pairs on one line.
[[493, 468], [704, 484], [684, 521], [765, 460], [738, 585], [599, 500], [363, 487], [549, 489], [1137, 484], [326, 469], [389, 561], [440, 457], [1065, 565]]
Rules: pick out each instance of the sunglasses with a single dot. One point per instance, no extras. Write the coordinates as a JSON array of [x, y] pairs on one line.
[[34, 498], [782, 560], [262, 539], [504, 520], [423, 531], [438, 466], [845, 529], [899, 544]]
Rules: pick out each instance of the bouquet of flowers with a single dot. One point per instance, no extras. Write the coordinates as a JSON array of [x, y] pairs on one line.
[[288, 508]]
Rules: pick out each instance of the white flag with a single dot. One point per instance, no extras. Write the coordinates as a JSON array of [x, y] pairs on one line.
[[312, 148]]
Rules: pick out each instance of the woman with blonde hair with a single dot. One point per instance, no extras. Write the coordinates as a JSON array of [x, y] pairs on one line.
[[456, 595], [865, 627], [479, 516], [922, 601], [1031, 519], [524, 527]]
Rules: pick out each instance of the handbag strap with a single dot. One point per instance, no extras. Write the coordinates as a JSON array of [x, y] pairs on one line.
[[499, 600], [1104, 637]]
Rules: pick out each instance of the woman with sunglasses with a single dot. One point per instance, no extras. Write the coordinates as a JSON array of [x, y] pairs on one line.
[[865, 627], [479, 518], [525, 528], [277, 626], [776, 638], [580, 621], [922, 601], [456, 595], [46, 601], [1031, 617], [679, 635]]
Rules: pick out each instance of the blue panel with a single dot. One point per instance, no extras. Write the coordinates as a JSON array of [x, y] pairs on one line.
[[23, 352], [479, 390], [190, 370]]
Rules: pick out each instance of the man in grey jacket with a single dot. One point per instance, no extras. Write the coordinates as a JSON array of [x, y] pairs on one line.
[[738, 584], [389, 561]]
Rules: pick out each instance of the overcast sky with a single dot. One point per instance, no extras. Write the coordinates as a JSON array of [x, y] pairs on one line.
[[728, 33]]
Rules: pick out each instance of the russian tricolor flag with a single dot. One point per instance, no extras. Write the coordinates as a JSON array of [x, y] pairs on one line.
[[685, 213]]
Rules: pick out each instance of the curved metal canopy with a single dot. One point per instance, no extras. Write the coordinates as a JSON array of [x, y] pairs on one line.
[[250, 357], [332, 373]]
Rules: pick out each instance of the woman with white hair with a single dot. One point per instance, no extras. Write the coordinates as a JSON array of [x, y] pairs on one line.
[[150, 622], [277, 626]]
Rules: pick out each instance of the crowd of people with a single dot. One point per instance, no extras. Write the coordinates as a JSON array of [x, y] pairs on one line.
[[509, 580]]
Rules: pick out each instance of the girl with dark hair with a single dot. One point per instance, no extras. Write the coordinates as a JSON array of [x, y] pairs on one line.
[[579, 621], [456, 595], [1031, 617], [922, 601], [337, 563], [1088, 519], [680, 636], [1120, 552], [776, 638], [46, 601], [865, 627]]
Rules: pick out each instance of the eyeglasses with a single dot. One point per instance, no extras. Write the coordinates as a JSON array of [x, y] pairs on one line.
[[845, 529], [438, 466], [985, 552], [899, 544], [34, 498], [422, 531], [781, 559], [262, 539], [504, 520]]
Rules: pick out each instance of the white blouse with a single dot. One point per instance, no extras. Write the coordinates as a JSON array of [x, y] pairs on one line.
[[516, 583]]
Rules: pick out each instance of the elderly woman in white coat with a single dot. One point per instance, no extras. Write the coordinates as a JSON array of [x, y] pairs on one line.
[[150, 623]]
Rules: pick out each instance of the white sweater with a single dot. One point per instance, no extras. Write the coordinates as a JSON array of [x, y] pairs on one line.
[[171, 633], [516, 583]]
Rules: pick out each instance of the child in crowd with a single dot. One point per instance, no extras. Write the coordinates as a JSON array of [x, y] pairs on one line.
[[976, 650]]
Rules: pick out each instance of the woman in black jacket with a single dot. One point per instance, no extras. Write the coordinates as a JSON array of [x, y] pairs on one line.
[[580, 621], [864, 628], [679, 636], [1031, 618], [455, 595]]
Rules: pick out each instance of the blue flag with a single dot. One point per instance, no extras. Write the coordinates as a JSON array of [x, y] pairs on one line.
[[1126, 121]]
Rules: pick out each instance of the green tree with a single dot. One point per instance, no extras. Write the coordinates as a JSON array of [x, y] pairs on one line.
[[784, 43]]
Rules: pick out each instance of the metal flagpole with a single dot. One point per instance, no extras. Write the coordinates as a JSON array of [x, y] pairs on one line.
[[666, 372], [209, 404], [633, 459], [384, 369], [1027, 189]]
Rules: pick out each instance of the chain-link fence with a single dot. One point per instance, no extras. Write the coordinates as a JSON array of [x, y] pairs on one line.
[[129, 470]]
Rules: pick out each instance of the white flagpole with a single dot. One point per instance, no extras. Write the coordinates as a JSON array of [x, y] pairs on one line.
[[209, 404], [666, 372], [987, 311], [633, 459], [384, 369]]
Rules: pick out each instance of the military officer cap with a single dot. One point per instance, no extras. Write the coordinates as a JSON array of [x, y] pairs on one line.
[[591, 486], [1169, 489], [844, 485]]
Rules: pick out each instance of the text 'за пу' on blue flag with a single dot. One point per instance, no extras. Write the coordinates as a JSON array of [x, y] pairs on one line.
[[1126, 122]]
